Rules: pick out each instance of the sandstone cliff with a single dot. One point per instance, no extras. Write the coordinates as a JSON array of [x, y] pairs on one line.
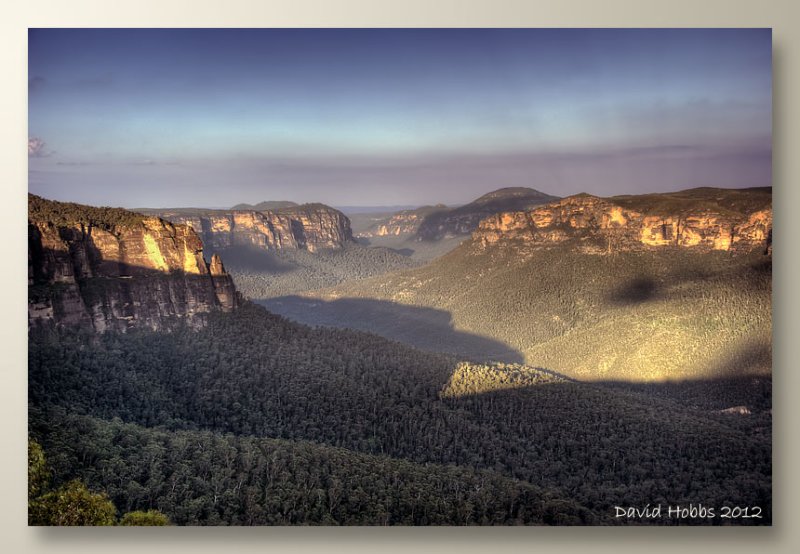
[[465, 219], [404, 223], [704, 218], [309, 227], [110, 269]]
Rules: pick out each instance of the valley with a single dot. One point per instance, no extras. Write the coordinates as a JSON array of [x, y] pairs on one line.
[[278, 248], [586, 295], [400, 276], [250, 376], [536, 373]]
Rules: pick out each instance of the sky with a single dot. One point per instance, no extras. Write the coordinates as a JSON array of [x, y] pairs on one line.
[[375, 117]]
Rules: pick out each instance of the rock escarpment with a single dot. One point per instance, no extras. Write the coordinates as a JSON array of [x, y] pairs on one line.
[[111, 269], [309, 227], [404, 223], [703, 218], [465, 219]]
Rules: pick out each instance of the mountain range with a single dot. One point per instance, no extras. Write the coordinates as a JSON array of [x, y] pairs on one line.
[[432, 223]]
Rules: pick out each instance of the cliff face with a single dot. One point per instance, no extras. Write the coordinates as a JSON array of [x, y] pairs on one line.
[[318, 226], [309, 227], [465, 219], [616, 225], [117, 272], [404, 223]]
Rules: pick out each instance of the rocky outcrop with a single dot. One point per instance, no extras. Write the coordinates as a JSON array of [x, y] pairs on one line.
[[465, 219], [113, 270], [404, 223], [224, 289], [317, 226], [630, 223], [309, 227]]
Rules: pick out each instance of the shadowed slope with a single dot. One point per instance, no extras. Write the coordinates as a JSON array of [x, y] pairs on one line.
[[426, 328]]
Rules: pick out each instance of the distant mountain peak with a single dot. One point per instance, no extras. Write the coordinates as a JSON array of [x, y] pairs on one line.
[[512, 192], [265, 205]]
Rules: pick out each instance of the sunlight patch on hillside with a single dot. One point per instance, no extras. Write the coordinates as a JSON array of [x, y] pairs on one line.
[[471, 379]]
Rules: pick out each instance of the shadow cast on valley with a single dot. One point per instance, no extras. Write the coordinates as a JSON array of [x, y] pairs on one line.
[[651, 287], [425, 328], [635, 291], [407, 252], [753, 392], [747, 359], [364, 241], [736, 380], [252, 258]]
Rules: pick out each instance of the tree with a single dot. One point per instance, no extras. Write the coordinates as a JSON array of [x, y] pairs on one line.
[[38, 474], [72, 504], [152, 518]]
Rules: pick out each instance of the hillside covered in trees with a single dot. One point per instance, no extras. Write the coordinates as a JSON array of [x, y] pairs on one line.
[[254, 419], [248, 418], [261, 274], [636, 288]]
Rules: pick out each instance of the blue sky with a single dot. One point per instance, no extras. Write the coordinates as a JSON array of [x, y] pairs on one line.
[[214, 117]]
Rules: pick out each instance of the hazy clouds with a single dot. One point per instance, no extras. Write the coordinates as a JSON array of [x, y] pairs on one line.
[[36, 147], [217, 117]]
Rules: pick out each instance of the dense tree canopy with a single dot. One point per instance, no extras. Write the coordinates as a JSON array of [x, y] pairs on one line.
[[73, 504], [324, 398]]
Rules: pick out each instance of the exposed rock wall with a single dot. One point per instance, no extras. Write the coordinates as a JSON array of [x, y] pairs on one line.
[[465, 219], [618, 227], [309, 227], [404, 223], [111, 276]]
